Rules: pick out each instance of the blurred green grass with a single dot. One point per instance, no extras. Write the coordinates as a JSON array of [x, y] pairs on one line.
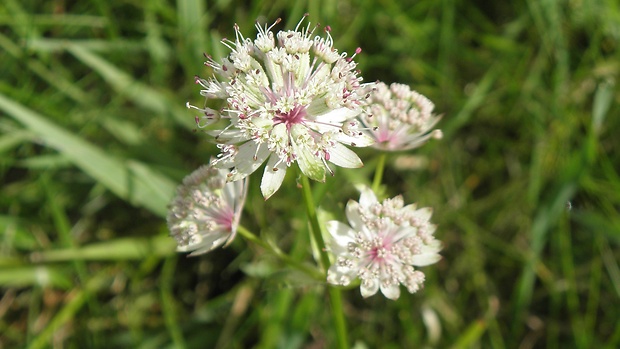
[[94, 138]]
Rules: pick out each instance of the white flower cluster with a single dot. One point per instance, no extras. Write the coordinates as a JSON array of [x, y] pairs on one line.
[[383, 243], [289, 97], [400, 119], [206, 210]]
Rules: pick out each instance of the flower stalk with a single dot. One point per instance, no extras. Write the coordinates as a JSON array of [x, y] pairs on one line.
[[376, 182], [334, 293], [248, 235]]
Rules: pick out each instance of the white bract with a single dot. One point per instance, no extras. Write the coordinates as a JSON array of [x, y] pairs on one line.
[[206, 210], [381, 245], [400, 119], [288, 98]]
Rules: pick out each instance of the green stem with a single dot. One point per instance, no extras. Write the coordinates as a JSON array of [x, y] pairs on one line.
[[334, 293], [248, 235], [376, 182], [314, 222], [338, 314]]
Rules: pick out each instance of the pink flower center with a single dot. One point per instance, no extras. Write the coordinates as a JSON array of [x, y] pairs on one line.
[[378, 253], [225, 218], [295, 116]]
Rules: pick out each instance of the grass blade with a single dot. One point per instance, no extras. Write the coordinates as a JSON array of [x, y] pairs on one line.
[[136, 183], [125, 84]]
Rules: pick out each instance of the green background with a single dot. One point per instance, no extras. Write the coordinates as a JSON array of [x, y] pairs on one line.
[[94, 138]]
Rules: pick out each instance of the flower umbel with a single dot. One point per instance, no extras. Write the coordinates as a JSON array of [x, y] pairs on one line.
[[383, 243], [206, 210], [289, 97], [400, 119]]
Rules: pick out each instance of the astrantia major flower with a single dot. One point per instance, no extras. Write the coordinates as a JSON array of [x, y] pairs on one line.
[[288, 98], [382, 244], [206, 210], [400, 119]]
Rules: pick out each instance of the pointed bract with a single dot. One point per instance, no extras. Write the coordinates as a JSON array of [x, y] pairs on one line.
[[272, 177]]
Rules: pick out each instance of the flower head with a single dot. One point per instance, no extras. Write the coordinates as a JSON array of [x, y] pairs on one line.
[[289, 97], [383, 243], [206, 210], [400, 119]]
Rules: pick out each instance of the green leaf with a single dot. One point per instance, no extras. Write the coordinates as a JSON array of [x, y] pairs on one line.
[[141, 94], [602, 101], [118, 249], [34, 275], [134, 182]]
